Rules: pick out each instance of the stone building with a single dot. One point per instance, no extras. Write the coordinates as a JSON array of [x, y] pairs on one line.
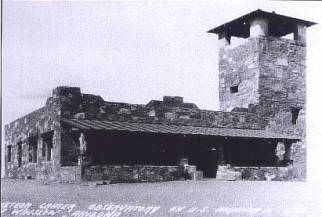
[[259, 134]]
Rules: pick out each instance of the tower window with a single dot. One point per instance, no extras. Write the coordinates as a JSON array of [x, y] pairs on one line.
[[234, 89], [295, 115], [9, 152]]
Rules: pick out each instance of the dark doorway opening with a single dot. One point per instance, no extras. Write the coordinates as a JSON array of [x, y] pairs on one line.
[[202, 153]]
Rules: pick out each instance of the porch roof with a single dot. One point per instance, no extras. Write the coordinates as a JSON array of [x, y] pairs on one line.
[[83, 124]]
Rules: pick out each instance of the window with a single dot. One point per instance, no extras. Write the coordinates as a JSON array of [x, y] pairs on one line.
[[19, 153], [47, 145], [33, 149], [295, 115], [43, 150], [9, 152], [234, 89]]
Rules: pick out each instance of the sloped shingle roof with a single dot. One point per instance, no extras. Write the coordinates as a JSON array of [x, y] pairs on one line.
[[173, 129]]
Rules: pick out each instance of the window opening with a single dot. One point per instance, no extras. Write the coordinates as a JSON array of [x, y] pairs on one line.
[[234, 89], [295, 115], [33, 149], [9, 152], [19, 153], [47, 145]]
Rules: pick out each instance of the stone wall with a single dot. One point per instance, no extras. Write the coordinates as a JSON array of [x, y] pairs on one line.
[[281, 123], [239, 66], [35, 124], [283, 88], [87, 106], [266, 173], [270, 74], [255, 173], [136, 173], [282, 75], [71, 174]]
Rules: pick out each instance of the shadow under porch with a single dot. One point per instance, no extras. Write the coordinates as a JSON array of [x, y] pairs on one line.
[[204, 152]]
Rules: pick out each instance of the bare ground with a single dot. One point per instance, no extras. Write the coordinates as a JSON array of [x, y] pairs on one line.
[[181, 198]]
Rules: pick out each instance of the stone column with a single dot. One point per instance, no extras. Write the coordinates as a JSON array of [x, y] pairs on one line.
[[221, 156], [224, 39], [82, 148], [55, 153], [183, 168], [287, 154], [300, 33], [279, 152], [258, 27]]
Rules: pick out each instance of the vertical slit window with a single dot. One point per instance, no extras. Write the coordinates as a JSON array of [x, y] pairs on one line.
[[295, 115]]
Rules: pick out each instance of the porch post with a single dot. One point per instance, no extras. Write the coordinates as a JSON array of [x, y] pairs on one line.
[[280, 150], [221, 156], [287, 154], [82, 148]]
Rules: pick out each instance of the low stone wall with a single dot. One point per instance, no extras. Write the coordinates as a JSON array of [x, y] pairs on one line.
[[41, 171], [70, 174], [265, 173], [255, 173], [137, 173]]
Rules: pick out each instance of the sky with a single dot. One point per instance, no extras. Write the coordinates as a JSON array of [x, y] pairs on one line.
[[131, 51]]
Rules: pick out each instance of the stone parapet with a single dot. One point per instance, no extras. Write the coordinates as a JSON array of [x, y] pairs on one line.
[[137, 173], [232, 173]]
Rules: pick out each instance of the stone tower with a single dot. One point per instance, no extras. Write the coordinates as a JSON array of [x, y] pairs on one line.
[[265, 71]]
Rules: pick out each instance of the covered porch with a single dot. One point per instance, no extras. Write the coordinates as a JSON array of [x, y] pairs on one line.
[[180, 150]]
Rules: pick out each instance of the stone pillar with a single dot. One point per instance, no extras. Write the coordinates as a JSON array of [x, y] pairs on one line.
[[221, 156], [183, 168], [56, 148], [279, 152], [224, 39], [287, 154], [300, 33], [258, 27], [82, 148]]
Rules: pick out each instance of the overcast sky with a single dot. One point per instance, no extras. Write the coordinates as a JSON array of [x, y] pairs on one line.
[[129, 51]]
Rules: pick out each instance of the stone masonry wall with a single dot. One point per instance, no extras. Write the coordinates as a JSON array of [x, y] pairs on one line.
[[43, 120], [271, 74], [282, 123], [137, 173], [36, 124], [87, 106], [255, 173], [282, 87], [282, 75], [239, 66]]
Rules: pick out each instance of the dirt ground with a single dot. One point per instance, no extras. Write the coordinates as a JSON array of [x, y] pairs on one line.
[[182, 198]]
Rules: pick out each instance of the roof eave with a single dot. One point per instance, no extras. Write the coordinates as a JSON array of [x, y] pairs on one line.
[[251, 15]]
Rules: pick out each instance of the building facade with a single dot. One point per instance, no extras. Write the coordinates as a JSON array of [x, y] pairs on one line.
[[259, 134]]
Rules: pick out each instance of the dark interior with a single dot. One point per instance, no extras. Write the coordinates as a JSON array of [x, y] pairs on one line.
[[124, 148], [251, 152]]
